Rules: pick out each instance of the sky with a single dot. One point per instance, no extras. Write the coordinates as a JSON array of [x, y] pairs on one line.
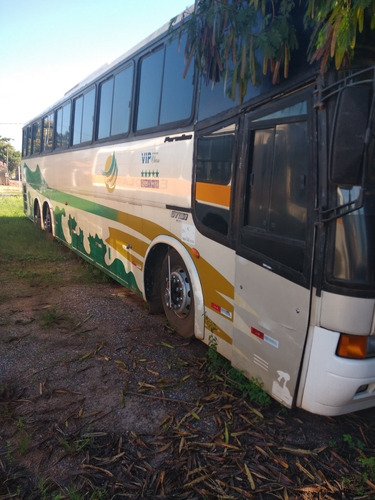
[[48, 46]]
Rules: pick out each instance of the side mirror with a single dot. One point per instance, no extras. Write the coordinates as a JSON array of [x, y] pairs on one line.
[[348, 137]]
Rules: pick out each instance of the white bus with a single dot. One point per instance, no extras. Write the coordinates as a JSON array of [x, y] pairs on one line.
[[251, 223]]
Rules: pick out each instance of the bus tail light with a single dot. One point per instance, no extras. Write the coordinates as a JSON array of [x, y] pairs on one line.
[[356, 346]]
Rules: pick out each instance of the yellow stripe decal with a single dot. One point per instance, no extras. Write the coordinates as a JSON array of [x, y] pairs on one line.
[[213, 328]]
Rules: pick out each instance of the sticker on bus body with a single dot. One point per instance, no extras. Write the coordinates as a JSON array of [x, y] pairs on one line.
[[150, 183], [265, 337], [188, 233], [179, 215], [221, 310]]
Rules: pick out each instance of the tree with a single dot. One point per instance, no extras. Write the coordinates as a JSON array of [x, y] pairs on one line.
[[9, 155], [241, 40]]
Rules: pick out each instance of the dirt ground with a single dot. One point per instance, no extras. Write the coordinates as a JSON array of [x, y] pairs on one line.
[[99, 399]]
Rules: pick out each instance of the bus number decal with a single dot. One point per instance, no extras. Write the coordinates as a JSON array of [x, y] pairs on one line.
[[179, 215]]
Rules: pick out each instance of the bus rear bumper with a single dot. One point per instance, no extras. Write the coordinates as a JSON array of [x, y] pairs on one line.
[[334, 385]]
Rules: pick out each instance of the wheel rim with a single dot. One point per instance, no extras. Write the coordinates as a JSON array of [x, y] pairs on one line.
[[177, 295]]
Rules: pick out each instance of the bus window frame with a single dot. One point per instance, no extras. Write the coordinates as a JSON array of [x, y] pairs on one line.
[[253, 122], [170, 126], [229, 238], [56, 110], [46, 116], [38, 122], [82, 94], [98, 83]]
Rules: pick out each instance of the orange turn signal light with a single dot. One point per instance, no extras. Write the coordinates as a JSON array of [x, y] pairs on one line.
[[195, 253], [352, 346]]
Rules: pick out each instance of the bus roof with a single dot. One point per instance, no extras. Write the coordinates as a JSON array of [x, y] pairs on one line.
[[107, 67]]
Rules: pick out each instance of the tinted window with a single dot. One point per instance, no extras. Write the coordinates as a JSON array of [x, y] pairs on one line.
[[24, 142], [63, 126], [177, 93], [77, 124], [115, 100], [217, 98], [165, 96], [150, 90], [29, 143], [84, 117], [278, 198], [275, 222], [48, 123], [106, 94], [36, 141], [214, 167], [121, 101]]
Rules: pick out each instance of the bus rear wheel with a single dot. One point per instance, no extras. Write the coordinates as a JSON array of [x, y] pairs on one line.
[[177, 294], [47, 220]]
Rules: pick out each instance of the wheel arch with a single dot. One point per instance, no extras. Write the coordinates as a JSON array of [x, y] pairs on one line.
[[153, 261]]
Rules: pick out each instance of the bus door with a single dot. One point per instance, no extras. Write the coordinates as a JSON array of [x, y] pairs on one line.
[[274, 246]]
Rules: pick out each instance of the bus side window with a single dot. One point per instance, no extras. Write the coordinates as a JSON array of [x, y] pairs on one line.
[[165, 96], [150, 90], [36, 137], [83, 117], [62, 137], [29, 141], [213, 178], [114, 107], [275, 222], [177, 92], [48, 124]]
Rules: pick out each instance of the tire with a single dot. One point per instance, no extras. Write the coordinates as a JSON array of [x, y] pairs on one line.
[[177, 299], [47, 220], [37, 216]]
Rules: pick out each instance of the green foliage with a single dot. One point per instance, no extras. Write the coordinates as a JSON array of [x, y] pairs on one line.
[[240, 40], [353, 444], [368, 465], [221, 369], [357, 448], [76, 445], [23, 438], [7, 152], [337, 24], [50, 317], [42, 258]]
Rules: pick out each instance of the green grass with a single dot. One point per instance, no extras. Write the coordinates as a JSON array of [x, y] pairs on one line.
[[29, 254], [20, 239], [221, 369]]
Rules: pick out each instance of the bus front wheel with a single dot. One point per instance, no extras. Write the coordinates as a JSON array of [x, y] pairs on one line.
[[177, 294], [37, 215]]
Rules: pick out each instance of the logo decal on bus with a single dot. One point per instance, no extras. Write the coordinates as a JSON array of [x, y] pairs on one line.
[[149, 157], [110, 173]]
